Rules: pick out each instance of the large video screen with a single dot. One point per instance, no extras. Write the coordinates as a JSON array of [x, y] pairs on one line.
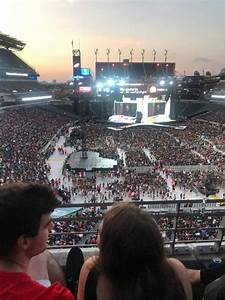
[[155, 109], [126, 109]]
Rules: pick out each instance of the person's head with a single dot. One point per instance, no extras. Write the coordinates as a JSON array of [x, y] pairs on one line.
[[25, 210], [130, 242]]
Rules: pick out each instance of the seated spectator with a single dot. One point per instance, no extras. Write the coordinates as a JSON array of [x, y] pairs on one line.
[[131, 262], [24, 225]]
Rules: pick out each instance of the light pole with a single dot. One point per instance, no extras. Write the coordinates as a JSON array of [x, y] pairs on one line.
[[131, 55], [143, 55], [165, 54], [154, 54], [120, 53], [107, 54], [96, 54]]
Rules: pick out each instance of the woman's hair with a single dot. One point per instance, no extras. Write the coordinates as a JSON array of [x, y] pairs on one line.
[[132, 256]]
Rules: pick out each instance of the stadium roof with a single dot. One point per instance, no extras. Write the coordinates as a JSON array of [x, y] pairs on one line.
[[10, 42]]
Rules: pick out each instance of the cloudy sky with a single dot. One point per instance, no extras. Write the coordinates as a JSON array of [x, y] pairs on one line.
[[193, 31]]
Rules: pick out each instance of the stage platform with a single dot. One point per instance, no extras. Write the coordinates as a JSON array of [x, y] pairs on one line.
[[93, 162]]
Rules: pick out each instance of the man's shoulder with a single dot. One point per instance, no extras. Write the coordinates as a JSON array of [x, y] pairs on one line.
[[58, 291], [23, 287]]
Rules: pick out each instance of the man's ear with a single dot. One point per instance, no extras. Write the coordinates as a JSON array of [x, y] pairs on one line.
[[23, 242]]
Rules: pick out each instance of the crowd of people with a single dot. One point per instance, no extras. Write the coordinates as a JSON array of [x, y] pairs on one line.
[[216, 116], [203, 227], [168, 146], [23, 133], [28, 139], [188, 180], [26, 132]]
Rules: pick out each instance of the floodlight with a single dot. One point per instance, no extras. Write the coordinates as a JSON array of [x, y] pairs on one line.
[[122, 82], [162, 82], [171, 82], [110, 82], [99, 85]]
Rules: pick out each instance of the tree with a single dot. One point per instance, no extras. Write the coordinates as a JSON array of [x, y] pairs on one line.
[[196, 73], [222, 73]]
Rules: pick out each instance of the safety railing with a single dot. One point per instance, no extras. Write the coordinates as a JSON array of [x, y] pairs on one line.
[[199, 222]]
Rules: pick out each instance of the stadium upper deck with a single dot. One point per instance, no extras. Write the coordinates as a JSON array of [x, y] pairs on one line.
[[18, 80], [10, 42]]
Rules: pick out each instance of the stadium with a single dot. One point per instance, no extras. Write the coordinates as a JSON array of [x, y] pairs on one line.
[[113, 145], [18, 80]]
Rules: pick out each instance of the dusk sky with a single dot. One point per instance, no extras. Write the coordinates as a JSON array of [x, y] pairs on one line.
[[193, 31]]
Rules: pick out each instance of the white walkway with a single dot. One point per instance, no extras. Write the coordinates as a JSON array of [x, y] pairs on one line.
[[57, 160]]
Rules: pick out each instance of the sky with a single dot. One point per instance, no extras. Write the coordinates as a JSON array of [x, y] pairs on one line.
[[191, 30]]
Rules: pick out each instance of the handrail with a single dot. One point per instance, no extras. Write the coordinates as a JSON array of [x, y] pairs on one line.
[[178, 212]]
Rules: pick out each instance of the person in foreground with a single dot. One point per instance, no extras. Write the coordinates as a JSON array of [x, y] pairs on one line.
[[131, 262], [24, 225]]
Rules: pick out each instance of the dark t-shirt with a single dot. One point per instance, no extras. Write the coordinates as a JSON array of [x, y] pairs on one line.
[[215, 290], [20, 286]]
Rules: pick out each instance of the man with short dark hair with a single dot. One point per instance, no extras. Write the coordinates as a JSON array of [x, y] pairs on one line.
[[25, 222]]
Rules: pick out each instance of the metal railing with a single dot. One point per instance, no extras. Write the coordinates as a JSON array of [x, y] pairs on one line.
[[174, 210]]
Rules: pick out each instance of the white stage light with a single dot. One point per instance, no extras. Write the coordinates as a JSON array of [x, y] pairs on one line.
[[162, 82], [99, 85], [110, 82], [122, 82], [171, 82]]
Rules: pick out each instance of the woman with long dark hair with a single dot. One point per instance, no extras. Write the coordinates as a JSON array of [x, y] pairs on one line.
[[132, 264]]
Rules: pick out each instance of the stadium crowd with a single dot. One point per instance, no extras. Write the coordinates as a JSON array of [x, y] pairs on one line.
[[26, 132]]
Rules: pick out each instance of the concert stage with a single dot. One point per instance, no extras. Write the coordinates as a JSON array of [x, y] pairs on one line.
[[93, 162]]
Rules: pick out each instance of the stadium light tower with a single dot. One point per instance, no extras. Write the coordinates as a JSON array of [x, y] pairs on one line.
[[154, 54], [107, 54], [96, 54], [165, 54], [143, 55], [120, 53], [131, 55]]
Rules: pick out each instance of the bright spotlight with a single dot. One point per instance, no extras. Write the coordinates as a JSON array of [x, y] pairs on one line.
[[171, 82], [99, 85], [110, 82], [122, 82], [162, 82]]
